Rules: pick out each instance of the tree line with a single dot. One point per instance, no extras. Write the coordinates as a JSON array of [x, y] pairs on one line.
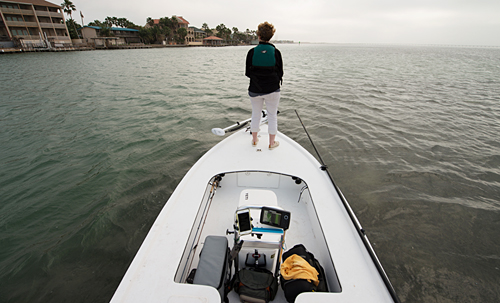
[[234, 37], [167, 29]]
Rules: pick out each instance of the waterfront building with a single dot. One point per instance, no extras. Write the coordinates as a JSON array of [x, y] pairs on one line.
[[195, 36], [212, 41], [32, 23], [119, 36], [183, 23]]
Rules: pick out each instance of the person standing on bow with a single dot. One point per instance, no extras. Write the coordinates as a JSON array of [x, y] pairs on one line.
[[264, 67]]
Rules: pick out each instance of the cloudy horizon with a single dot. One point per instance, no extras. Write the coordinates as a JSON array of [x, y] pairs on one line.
[[445, 22]]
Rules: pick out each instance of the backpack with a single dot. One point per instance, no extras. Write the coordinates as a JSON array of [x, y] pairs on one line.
[[292, 288], [256, 285], [263, 55]]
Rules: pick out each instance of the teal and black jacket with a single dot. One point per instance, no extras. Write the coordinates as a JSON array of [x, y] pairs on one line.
[[264, 67]]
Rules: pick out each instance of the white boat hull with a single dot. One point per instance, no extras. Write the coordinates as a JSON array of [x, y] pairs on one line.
[[320, 221]]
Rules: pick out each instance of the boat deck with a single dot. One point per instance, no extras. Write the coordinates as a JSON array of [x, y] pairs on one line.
[[219, 218], [319, 220]]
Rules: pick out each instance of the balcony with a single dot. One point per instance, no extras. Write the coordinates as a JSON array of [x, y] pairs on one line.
[[42, 13], [46, 25], [31, 24], [21, 24], [56, 14], [48, 14], [28, 37], [17, 11], [52, 25], [59, 25]]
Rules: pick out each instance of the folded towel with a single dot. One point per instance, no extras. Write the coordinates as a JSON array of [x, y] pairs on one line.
[[295, 267]]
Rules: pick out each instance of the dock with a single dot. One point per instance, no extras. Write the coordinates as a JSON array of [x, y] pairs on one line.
[[37, 50]]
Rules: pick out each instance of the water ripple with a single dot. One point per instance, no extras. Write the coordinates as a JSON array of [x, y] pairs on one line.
[[90, 154]]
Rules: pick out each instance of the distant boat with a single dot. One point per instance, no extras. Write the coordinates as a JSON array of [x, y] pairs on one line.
[[290, 199]]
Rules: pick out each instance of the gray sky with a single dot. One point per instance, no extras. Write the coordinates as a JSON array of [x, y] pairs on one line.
[[457, 22]]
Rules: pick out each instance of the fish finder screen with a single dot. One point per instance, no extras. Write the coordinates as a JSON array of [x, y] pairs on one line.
[[275, 217], [272, 217], [244, 221]]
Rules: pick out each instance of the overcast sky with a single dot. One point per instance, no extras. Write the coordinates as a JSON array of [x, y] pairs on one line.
[[457, 22]]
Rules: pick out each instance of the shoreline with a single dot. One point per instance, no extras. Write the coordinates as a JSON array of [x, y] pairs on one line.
[[17, 50], [14, 50]]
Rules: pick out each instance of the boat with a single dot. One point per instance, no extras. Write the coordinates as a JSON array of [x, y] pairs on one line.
[[290, 198]]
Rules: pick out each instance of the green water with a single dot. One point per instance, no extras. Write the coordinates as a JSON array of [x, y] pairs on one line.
[[93, 144]]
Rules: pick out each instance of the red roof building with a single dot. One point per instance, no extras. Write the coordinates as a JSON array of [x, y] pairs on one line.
[[212, 41], [182, 21]]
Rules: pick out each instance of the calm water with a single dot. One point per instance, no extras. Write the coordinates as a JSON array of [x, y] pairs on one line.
[[94, 143]]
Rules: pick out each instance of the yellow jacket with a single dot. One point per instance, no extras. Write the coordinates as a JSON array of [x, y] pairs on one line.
[[295, 267]]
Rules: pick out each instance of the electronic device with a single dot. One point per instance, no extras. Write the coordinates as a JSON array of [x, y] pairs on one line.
[[275, 217], [244, 221]]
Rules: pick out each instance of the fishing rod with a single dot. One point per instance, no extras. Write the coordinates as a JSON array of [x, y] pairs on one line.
[[354, 219]]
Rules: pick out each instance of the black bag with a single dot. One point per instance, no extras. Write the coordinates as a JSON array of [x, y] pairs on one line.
[[292, 288], [253, 257], [256, 285]]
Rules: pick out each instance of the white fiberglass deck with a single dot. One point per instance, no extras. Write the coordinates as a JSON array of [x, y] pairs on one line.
[[304, 228], [319, 221]]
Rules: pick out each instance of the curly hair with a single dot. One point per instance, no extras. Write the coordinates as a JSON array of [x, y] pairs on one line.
[[265, 31]]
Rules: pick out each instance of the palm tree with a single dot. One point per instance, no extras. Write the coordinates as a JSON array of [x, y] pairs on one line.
[[111, 21], [68, 7], [173, 24], [166, 25], [95, 23], [223, 32], [236, 35], [182, 33]]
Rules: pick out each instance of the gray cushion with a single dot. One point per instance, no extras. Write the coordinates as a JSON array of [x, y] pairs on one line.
[[213, 259]]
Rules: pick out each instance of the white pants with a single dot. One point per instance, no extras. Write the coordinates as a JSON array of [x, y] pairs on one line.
[[272, 100]]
